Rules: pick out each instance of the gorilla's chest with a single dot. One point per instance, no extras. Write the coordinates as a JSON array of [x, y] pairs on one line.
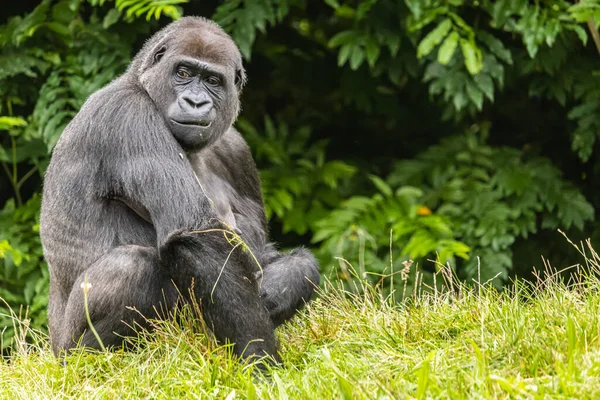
[[220, 192]]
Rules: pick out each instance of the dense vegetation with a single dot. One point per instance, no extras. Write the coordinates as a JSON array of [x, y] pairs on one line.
[[385, 130]]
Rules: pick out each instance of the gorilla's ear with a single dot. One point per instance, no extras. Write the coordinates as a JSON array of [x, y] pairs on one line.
[[159, 54], [152, 56], [240, 78]]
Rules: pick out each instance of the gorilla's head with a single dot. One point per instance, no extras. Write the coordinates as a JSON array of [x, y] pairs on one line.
[[193, 72]]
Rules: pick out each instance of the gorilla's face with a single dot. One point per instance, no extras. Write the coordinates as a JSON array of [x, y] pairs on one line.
[[200, 93], [195, 83]]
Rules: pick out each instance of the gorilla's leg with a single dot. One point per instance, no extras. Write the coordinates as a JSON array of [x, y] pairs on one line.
[[136, 276], [127, 276], [224, 281], [287, 282]]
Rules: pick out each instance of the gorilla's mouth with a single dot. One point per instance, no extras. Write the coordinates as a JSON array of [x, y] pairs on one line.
[[201, 123]]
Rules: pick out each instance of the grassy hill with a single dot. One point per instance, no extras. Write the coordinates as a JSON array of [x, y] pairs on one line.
[[538, 340]]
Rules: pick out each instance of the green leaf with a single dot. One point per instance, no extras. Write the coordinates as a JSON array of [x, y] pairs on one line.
[[472, 56], [111, 18], [284, 198], [576, 112], [393, 43], [581, 33], [415, 7], [59, 28], [357, 57], [372, 50], [344, 54], [531, 44], [486, 84], [343, 37], [475, 94], [5, 247], [446, 50], [459, 100], [381, 185], [495, 46], [332, 3], [7, 123], [434, 38]]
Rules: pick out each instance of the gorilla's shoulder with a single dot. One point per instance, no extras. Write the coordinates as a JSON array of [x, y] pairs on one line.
[[119, 105], [232, 140], [120, 94], [240, 169]]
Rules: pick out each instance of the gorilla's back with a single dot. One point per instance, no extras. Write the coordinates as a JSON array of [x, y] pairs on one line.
[[78, 221]]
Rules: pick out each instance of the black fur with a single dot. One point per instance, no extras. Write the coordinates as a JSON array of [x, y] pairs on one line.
[[140, 188]]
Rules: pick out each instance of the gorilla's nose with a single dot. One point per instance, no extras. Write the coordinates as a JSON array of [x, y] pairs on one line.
[[196, 102]]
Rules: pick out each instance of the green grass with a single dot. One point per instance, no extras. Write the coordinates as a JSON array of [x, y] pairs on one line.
[[537, 340]]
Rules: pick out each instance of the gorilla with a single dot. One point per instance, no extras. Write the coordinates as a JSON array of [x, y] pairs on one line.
[[153, 198]]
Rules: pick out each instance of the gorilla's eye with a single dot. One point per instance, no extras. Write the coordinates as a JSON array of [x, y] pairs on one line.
[[182, 73], [213, 80]]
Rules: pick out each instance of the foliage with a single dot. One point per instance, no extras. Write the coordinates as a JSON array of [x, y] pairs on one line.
[[152, 8], [492, 195], [587, 92], [340, 91], [242, 18], [23, 273], [369, 231], [298, 185], [303, 190]]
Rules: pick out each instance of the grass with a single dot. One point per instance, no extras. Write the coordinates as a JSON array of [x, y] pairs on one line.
[[538, 340]]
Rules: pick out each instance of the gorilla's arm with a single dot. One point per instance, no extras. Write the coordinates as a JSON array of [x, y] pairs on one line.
[[143, 165], [287, 279], [230, 160]]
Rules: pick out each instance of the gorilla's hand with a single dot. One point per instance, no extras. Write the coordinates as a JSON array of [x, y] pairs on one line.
[[280, 297]]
